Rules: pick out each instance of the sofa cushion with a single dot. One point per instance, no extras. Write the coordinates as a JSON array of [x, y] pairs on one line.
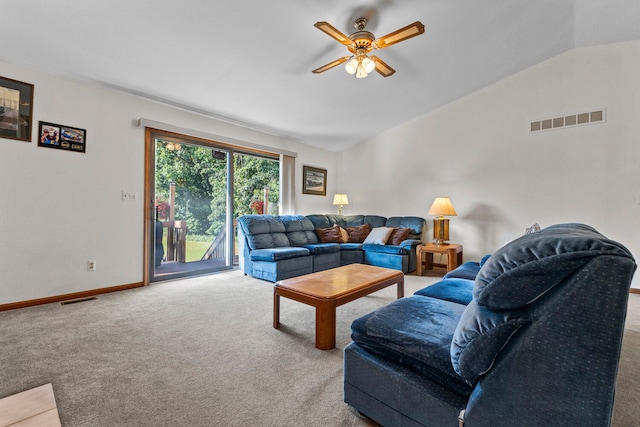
[[467, 270], [415, 225], [484, 259], [358, 234], [375, 221], [329, 220], [397, 236], [320, 221], [480, 336], [455, 290], [330, 234], [378, 236], [299, 230], [263, 231], [302, 238], [416, 332], [384, 249], [296, 223], [277, 254], [323, 248], [351, 246], [268, 240], [522, 271]]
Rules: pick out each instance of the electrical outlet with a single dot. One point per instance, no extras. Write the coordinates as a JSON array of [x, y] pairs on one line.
[[128, 196], [91, 265]]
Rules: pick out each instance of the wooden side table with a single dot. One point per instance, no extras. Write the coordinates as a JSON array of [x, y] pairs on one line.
[[453, 251]]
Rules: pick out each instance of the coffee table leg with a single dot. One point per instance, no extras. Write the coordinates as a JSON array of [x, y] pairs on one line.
[[326, 325], [276, 309], [401, 287]]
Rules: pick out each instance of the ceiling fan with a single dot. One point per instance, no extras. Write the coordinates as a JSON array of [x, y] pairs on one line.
[[361, 43]]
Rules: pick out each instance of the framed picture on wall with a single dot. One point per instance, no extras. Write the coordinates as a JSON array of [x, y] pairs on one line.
[[16, 109], [314, 181], [52, 135]]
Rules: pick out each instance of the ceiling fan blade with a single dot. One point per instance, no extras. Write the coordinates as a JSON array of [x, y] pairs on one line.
[[333, 32], [331, 64], [382, 67], [402, 34]]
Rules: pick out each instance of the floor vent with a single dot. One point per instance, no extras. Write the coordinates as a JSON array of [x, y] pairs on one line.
[[591, 117], [73, 301]]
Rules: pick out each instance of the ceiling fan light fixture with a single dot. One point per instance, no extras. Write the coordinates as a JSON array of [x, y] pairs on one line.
[[368, 64], [361, 72], [352, 65], [361, 43]]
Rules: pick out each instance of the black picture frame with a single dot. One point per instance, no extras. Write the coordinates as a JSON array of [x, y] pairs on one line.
[[16, 109], [62, 137], [314, 181]]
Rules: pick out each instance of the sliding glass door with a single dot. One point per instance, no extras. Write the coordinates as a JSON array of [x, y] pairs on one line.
[[191, 214]]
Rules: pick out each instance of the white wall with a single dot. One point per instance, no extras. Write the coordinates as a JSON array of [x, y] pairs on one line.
[[61, 209], [478, 151]]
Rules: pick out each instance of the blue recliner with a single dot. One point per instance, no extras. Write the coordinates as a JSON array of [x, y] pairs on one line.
[[534, 340]]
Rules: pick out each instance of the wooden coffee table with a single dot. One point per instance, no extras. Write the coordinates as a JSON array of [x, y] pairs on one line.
[[328, 289]]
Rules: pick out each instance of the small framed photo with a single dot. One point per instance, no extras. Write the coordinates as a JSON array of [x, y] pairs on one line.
[[62, 137], [16, 109], [314, 181]]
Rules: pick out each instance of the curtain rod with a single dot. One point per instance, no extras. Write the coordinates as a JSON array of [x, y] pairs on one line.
[[142, 122]]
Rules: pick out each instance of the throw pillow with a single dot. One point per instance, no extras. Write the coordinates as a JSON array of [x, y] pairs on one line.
[[398, 235], [344, 234], [329, 235], [358, 234], [378, 236]]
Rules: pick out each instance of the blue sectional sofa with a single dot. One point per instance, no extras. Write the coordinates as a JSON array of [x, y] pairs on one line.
[[279, 247], [530, 336]]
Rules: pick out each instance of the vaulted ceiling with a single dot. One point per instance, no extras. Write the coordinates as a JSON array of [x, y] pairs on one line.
[[249, 61]]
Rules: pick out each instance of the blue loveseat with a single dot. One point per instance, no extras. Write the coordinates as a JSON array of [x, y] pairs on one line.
[[279, 247], [533, 340]]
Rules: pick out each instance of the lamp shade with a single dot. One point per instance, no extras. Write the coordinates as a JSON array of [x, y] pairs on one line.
[[442, 206], [340, 199]]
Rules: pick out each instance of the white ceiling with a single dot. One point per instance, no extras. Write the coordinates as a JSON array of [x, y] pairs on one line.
[[249, 61]]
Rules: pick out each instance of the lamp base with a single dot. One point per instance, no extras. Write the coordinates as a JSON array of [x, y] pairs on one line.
[[441, 231]]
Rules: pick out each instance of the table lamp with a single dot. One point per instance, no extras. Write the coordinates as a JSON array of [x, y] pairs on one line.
[[340, 200], [441, 206]]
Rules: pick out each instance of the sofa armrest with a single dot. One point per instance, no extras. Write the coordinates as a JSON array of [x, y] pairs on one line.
[[410, 244]]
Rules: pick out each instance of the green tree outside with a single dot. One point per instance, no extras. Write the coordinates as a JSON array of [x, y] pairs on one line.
[[201, 185]]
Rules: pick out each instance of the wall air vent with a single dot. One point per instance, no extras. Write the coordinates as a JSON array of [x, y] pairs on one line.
[[560, 122]]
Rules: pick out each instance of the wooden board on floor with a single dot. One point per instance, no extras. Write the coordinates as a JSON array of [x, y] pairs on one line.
[[31, 408]]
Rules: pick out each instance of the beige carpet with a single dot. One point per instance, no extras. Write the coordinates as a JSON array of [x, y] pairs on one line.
[[201, 352]]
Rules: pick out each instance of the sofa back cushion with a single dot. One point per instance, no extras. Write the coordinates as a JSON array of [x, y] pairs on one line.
[[526, 268], [375, 221], [415, 225], [329, 220], [299, 230], [263, 231]]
